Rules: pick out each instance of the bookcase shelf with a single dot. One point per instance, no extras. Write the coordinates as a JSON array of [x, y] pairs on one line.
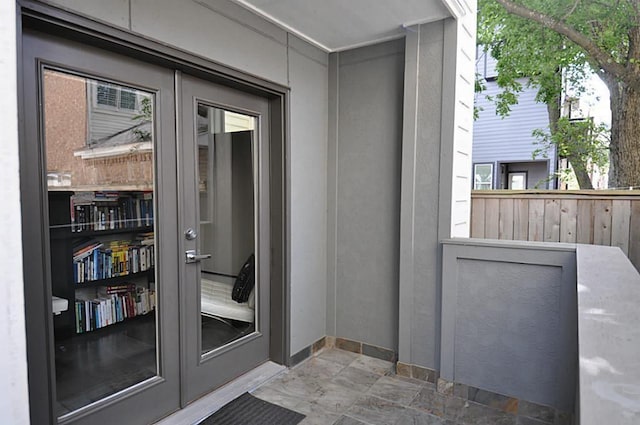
[[116, 279], [111, 235]]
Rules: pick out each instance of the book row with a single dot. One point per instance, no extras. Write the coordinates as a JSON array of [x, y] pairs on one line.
[[91, 211], [112, 306], [118, 258]]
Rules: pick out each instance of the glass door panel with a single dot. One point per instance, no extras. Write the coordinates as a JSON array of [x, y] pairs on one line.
[[226, 187], [225, 221], [99, 144]]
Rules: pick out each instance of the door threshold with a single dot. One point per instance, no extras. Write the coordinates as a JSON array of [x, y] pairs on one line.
[[210, 403]]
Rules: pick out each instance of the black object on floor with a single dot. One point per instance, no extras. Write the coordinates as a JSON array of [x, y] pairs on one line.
[[250, 410]]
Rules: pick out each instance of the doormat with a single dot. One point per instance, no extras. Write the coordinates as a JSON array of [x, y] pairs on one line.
[[250, 410]]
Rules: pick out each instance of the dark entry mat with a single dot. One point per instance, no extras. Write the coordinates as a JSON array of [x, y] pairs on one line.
[[249, 410]]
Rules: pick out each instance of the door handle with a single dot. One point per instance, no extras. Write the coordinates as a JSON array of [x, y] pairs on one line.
[[192, 257]]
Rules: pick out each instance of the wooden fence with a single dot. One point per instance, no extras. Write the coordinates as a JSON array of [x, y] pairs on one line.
[[589, 217]]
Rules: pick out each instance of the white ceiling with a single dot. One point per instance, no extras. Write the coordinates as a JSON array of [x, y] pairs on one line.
[[335, 25]]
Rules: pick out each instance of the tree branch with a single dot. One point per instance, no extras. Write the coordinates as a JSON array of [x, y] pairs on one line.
[[573, 9], [602, 58]]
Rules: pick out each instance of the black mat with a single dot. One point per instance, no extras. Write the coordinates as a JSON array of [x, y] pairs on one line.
[[249, 410]]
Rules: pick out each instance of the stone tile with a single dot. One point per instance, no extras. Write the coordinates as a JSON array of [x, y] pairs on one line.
[[293, 385], [403, 369], [523, 420], [461, 390], [394, 389], [300, 356], [276, 397], [329, 341], [471, 413], [444, 387], [430, 401], [348, 345], [317, 368], [378, 352], [416, 417], [536, 411], [376, 411], [423, 373], [356, 379], [338, 356], [381, 367], [347, 420], [491, 399], [563, 418], [318, 345], [316, 414], [336, 398]]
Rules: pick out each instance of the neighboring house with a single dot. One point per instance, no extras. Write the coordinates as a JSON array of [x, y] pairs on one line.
[[503, 147]]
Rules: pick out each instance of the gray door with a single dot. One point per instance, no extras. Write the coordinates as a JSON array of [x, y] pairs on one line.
[[98, 170], [225, 240]]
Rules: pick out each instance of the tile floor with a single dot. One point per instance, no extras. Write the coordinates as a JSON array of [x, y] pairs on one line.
[[344, 388]]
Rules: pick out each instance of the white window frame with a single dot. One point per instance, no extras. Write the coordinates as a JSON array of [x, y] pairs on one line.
[[477, 185], [118, 107]]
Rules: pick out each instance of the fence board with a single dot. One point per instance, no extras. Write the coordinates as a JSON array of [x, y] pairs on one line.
[[505, 225], [634, 234], [591, 217], [536, 219], [568, 220], [491, 218], [551, 220], [602, 222], [620, 221], [477, 218], [584, 231], [520, 219]]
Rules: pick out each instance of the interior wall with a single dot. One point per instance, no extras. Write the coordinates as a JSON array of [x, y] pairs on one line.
[[226, 33], [14, 393], [364, 178]]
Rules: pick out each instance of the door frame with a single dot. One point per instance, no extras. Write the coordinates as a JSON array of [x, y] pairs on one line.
[[52, 20]]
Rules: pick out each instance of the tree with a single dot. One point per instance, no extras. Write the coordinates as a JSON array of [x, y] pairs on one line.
[[548, 39]]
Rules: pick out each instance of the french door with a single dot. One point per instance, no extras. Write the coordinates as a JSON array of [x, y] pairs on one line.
[[224, 170], [146, 234]]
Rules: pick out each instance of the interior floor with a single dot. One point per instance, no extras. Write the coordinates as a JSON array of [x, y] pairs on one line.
[[96, 364]]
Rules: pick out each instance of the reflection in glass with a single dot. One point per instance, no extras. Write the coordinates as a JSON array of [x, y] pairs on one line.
[[100, 178], [226, 175]]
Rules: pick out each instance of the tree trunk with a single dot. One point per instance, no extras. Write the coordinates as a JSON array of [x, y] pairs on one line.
[[579, 167], [625, 135]]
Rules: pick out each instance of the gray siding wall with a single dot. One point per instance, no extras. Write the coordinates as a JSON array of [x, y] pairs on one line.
[[509, 320], [419, 261], [366, 95], [226, 33]]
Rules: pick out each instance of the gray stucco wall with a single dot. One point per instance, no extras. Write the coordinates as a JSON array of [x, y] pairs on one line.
[[509, 320], [419, 322], [366, 95], [224, 32]]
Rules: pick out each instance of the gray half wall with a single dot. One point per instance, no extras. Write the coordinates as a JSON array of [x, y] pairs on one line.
[[365, 136], [509, 320]]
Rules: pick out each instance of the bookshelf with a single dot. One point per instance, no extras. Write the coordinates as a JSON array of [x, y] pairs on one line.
[[102, 257]]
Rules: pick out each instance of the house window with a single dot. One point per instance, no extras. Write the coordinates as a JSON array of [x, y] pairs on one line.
[[518, 181], [483, 176], [116, 97]]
